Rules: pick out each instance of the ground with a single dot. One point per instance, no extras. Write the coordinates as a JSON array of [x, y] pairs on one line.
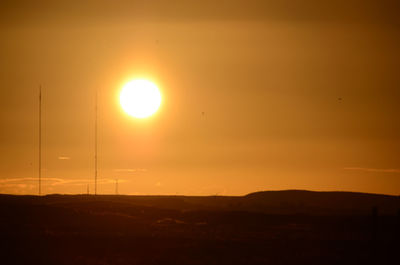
[[62, 229]]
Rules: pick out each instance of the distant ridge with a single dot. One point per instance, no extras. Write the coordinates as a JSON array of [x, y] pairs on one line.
[[294, 191], [324, 201], [267, 202]]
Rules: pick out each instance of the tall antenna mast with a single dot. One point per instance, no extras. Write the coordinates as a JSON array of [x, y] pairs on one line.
[[95, 147], [116, 187], [40, 140]]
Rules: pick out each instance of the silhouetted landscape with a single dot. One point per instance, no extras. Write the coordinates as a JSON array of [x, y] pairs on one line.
[[295, 99], [272, 227]]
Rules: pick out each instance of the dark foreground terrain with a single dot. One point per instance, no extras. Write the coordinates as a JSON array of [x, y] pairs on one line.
[[283, 227]]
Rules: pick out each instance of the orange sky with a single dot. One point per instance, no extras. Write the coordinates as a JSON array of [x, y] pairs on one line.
[[268, 76]]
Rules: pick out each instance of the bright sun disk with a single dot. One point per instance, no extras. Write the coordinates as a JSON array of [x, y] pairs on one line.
[[140, 98]]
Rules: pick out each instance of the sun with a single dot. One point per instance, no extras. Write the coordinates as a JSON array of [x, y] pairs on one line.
[[140, 98]]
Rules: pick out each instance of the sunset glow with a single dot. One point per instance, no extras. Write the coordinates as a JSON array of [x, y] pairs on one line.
[[208, 97]]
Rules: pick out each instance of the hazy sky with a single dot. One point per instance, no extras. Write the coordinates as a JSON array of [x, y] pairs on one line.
[[295, 94]]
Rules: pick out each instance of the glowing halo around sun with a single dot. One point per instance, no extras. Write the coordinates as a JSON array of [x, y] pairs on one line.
[[140, 98]]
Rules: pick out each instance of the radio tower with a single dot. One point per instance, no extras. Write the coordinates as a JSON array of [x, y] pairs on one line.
[[40, 140], [95, 147]]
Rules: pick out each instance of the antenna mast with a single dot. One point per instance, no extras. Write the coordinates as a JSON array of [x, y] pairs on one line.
[[40, 140], [95, 147], [116, 187]]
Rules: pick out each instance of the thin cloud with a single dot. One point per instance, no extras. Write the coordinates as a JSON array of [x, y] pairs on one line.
[[80, 182], [64, 158], [381, 170], [17, 182], [130, 170]]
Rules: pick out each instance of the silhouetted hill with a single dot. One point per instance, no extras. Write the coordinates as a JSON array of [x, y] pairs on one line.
[[322, 202]]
